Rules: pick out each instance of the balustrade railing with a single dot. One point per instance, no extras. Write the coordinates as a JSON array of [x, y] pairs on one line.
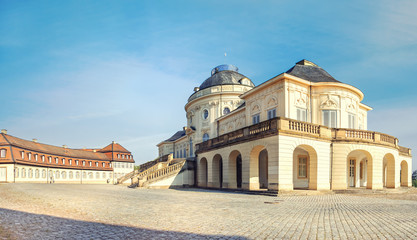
[[165, 171], [352, 133], [388, 139], [272, 126], [304, 127]]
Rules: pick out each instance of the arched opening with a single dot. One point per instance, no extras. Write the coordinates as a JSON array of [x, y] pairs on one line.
[[263, 169], [304, 167], [404, 174], [235, 170], [359, 169], [202, 173], [388, 174], [217, 171], [254, 167]]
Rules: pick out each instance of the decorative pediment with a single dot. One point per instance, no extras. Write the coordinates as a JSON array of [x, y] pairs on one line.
[[256, 108], [329, 102], [300, 99], [272, 102]]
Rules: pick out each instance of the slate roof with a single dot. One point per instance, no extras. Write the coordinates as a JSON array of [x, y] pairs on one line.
[[224, 78], [176, 136], [309, 71]]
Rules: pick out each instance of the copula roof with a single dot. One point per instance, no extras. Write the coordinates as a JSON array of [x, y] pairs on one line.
[[225, 75]]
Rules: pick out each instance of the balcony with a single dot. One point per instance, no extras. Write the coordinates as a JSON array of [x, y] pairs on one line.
[[293, 127]]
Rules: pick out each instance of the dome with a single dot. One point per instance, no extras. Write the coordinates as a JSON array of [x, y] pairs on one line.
[[309, 71], [226, 75]]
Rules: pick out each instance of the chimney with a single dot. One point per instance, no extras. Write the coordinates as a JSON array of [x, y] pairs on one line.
[[35, 140], [64, 146], [113, 142], [4, 131]]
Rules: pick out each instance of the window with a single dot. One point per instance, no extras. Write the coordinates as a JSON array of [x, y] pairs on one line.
[[205, 137], [123, 156], [70, 175], [76, 162], [97, 175], [89, 163], [43, 158], [70, 162], [272, 113], [56, 160], [43, 173], [255, 118], [226, 110], [16, 172], [109, 164], [63, 161], [96, 164], [330, 118], [103, 164], [205, 114], [302, 166], [184, 153], [37, 173], [352, 118], [36, 157], [30, 156], [118, 155], [302, 114], [83, 163], [50, 159], [22, 154], [3, 153]]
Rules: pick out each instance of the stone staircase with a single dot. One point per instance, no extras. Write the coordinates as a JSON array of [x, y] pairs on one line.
[[153, 171], [146, 167]]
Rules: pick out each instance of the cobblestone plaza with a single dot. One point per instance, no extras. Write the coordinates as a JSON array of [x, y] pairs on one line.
[[59, 211]]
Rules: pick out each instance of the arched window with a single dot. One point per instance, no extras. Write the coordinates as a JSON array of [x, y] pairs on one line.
[[64, 174], [70, 175], [104, 174], [63, 161], [43, 158], [30, 175], [205, 114], [3, 153], [226, 110], [205, 137], [22, 155], [23, 172], [17, 172], [184, 153], [90, 175], [97, 175], [50, 159], [37, 173], [43, 173], [36, 157], [56, 160], [30, 156], [77, 175], [57, 174]]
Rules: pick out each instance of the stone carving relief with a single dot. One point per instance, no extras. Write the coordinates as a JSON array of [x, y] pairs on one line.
[[300, 99], [328, 101], [272, 102], [351, 105]]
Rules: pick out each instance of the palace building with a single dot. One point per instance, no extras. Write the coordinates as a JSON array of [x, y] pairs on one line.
[[30, 161], [302, 129]]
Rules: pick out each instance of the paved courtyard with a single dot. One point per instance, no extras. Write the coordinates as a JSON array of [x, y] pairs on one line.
[[58, 211]]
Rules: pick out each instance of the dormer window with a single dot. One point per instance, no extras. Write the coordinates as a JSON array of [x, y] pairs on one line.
[[70, 162], [89, 163], [96, 164], [118, 155], [36, 157], [30, 156], [22, 154], [3, 153], [63, 161], [103, 164], [50, 159], [43, 158], [56, 160]]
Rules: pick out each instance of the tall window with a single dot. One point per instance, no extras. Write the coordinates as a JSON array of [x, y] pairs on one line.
[[50, 159], [89, 163], [36, 157], [30, 156], [302, 114], [330, 118], [184, 153], [226, 110], [191, 147], [205, 114], [3, 153], [76, 162], [22, 154], [56, 160], [205, 137], [63, 161], [255, 118], [43, 158], [302, 166], [272, 113], [70, 162], [352, 118]]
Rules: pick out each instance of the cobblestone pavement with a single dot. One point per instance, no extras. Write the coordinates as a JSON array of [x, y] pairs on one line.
[[59, 211]]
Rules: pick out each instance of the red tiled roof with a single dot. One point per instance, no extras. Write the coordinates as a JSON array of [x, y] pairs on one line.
[[115, 148], [49, 149]]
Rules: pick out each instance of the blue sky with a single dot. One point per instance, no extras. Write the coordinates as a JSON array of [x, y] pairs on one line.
[[84, 73]]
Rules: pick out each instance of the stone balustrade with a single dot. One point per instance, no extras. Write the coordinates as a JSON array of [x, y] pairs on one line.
[[163, 172], [287, 126]]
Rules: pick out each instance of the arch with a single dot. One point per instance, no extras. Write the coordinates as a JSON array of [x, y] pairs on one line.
[[404, 174], [356, 161], [217, 171], [202, 173], [388, 169], [263, 169], [305, 167], [254, 167], [235, 170]]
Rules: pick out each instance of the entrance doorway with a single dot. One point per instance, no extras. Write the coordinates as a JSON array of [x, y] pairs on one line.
[[352, 173], [239, 171]]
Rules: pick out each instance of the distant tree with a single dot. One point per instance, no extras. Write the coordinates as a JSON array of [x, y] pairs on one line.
[[136, 167]]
